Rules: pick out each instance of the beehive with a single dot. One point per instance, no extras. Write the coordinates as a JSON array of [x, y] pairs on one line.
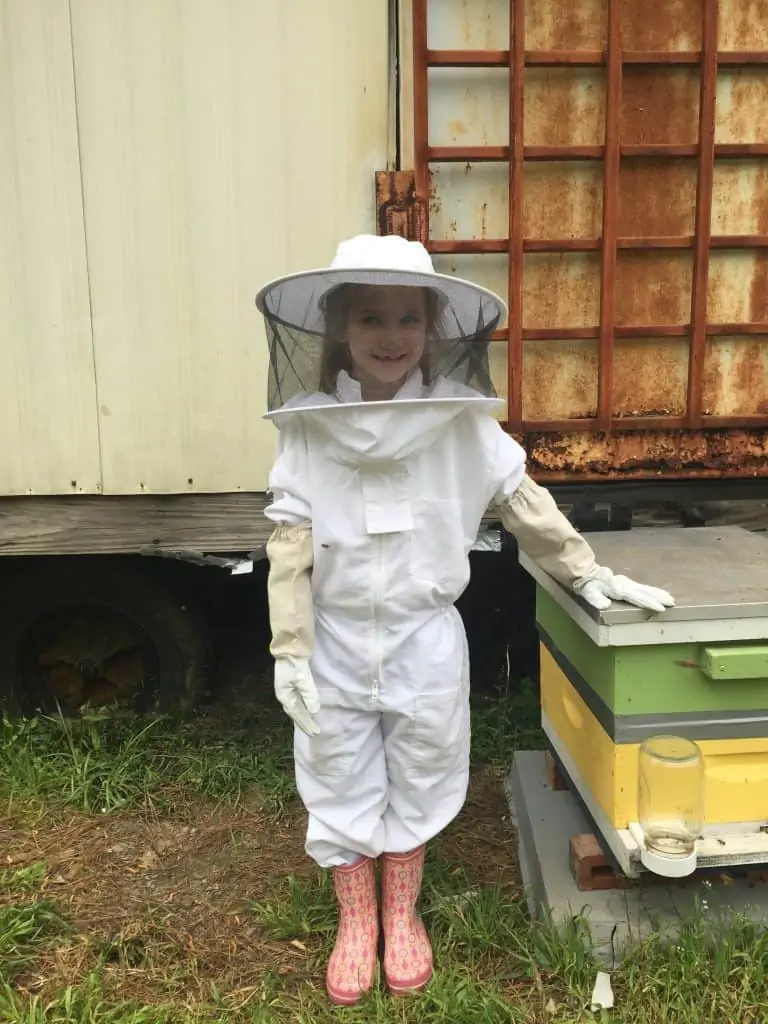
[[700, 670]]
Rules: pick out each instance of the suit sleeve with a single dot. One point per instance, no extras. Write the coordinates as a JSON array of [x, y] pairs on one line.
[[531, 515]]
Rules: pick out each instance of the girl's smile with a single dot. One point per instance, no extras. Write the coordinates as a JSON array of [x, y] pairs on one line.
[[386, 334]]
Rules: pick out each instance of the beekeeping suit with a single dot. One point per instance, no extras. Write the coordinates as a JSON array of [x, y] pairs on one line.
[[376, 506]]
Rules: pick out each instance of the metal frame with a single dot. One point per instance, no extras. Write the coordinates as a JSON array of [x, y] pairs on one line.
[[702, 243]]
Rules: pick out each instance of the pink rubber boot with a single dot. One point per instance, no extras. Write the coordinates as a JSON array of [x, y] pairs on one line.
[[407, 950], [352, 965]]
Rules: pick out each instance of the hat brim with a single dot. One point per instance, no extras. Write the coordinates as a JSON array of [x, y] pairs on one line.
[[485, 403], [295, 299]]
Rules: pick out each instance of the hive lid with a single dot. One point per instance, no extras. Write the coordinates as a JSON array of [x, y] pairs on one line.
[[718, 575]]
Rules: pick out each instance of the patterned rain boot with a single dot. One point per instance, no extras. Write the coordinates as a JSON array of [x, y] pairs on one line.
[[352, 965], [408, 953]]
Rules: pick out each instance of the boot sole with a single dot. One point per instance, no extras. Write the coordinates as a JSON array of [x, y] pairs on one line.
[[345, 1000], [408, 988]]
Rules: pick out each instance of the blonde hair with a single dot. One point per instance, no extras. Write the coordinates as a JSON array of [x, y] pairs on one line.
[[335, 355]]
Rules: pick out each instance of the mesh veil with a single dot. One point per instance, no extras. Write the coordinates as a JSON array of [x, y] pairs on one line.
[[457, 347]]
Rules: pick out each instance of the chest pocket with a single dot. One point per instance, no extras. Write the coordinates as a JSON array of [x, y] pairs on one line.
[[387, 506], [437, 555]]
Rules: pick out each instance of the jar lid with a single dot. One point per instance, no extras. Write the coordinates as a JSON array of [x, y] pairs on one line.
[[669, 867]]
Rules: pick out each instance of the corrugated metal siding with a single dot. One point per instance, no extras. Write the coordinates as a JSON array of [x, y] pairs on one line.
[[48, 423], [221, 144]]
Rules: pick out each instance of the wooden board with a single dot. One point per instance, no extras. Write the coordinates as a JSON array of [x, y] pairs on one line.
[[48, 425], [127, 525]]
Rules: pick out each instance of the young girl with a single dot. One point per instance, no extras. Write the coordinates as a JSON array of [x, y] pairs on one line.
[[388, 457]]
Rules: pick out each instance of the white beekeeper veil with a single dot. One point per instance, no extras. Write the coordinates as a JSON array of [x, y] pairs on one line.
[[457, 348]]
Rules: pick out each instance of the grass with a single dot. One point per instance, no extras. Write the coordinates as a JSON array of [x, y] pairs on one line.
[[153, 873], [105, 762]]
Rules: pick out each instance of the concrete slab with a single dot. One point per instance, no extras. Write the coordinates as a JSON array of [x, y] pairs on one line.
[[546, 819]]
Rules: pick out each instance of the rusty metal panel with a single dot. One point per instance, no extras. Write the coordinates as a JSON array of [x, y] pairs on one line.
[[659, 106], [740, 198], [650, 377], [460, 208], [468, 107], [640, 455], [736, 377], [657, 197], [603, 164], [564, 107], [398, 207], [742, 99], [653, 288], [561, 290], [664, 25], [468, 24], [564, 25], [743, 25], [561, 377], [563, 199]]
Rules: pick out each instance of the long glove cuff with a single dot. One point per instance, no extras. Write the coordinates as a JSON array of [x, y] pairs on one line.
[[600, 572], [289, 587], [545, 534]]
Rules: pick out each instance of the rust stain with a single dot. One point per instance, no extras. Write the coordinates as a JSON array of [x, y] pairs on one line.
[[653, 288], [743, 25], [659, 106], [641, 455], [564, 107], [758, 304], [712, 378], [657, 197], [559, 379], [650, 376], [748, 381], [742, 99], [497, 358], [480, 24], [475, 197], [737, 287], [760, 198], [399, 210], [661, 24], [740, 198], [457, 128], [562, 200], [561, 290], [435, 201], [566, 24]]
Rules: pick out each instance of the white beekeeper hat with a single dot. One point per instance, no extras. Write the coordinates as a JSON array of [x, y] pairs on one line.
[[296, 299], [294, 310]]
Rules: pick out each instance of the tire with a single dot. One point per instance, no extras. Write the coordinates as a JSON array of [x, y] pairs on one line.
[[67, 622]]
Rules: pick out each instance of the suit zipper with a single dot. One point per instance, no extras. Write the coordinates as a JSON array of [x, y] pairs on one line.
[[376, 688]]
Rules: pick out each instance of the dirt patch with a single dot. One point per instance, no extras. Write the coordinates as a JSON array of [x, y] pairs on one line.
[[163, 905]]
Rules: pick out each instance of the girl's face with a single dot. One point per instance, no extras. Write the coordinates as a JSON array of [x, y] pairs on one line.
[[386, 333]]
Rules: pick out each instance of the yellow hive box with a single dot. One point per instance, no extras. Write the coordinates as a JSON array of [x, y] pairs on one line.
[[736, 787]]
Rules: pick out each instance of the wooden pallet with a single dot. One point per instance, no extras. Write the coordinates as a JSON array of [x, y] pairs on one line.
[[593, 871], [557, 781]]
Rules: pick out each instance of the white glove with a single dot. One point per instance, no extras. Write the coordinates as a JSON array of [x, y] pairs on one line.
[[295, 689], [602, 586]]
